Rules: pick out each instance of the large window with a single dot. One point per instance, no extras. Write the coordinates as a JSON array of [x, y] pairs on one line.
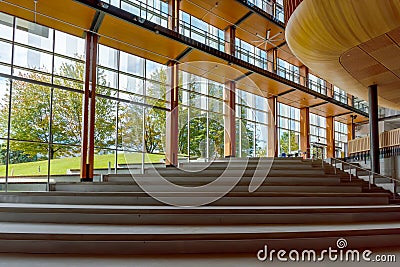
[[339, 95], [340, 139], [317, 84], [288, 129], [130, 118], [275, 9], [201, 31], [40, 106], [251, 125], [153, 10], [251, 54], [318, 136], [201, 119], [288, 71]]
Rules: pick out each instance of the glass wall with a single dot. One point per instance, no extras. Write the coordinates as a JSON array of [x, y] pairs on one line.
[[251, 125], [288, 130], [288, 71], [153, 10], [268, 6], [41, 84], [340, 139], [316, 84], [318, 136], [201, 119], [339, 95], [251, 54], [201, 31], [130, 109]]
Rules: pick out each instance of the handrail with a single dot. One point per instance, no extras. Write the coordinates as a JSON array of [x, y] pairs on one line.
[[394, 180]]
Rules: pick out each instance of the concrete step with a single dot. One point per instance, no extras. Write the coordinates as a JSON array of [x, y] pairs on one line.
[[167, 215], [231, 199], [271, 187], [181, 239], [215, 172], [204, 180]]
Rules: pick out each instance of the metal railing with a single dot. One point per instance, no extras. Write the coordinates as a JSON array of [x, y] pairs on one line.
[[371, 175]]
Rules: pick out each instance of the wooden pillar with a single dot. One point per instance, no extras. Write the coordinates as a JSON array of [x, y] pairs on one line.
[[229, 119], [350, 101], [329, 89], [172, 130], [272, 60], [89, 108], [350, 131], [230, 33], [330, 137], [305, 131], [272, 127], [230, 99], [173, 11], [303, 75]]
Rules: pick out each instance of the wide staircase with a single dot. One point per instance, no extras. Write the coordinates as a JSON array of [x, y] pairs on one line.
[[297, 204]]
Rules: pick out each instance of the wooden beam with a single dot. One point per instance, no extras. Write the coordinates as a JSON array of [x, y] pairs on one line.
[[330, 137], [305, 131]]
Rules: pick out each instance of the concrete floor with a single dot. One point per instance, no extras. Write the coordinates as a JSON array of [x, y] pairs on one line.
[[240, 260]]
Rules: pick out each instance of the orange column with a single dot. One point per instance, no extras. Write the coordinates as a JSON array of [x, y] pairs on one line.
[[303, 75], [330, 137], [272, 60], [305, 131], [89, 108], [229, 119], [272, 127], [230, 34], [350, 131], [230, 99], [172, 129], [173, 19], [329, 89]]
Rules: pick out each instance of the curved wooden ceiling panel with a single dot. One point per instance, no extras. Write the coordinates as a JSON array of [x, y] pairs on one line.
[[352, 44]]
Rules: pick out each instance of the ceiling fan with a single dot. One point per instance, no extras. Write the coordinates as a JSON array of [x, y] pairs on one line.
[[268, 39]]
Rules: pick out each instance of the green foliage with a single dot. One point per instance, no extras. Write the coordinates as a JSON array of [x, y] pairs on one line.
[[284, 142], [198, 137], [31, 112]]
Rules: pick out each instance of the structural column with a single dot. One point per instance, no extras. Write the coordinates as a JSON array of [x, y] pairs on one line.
[[305, 131], [330, 137], [172, 130], [89, 109], [230, 33], [229, 119], [272, 60], [272, 127], [303, 75], [374, 127], [173, 11], [230, 99]]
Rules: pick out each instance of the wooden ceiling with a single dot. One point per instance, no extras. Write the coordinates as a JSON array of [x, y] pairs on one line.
[[74, 18], [352, 44]]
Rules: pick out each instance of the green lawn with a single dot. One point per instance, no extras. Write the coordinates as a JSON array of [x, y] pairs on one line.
[[60, 166]]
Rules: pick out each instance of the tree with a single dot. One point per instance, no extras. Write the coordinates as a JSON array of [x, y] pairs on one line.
[[31, 112], [284, 142]]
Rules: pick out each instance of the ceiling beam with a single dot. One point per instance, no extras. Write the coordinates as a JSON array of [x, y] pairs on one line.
[[97, 20]]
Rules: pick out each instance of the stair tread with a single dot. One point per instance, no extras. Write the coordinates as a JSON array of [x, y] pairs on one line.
[[205, 231]]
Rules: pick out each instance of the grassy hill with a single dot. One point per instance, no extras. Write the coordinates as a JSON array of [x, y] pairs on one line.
[[60, 166]]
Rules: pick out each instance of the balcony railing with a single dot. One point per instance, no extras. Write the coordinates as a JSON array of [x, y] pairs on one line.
[[389, 143]]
